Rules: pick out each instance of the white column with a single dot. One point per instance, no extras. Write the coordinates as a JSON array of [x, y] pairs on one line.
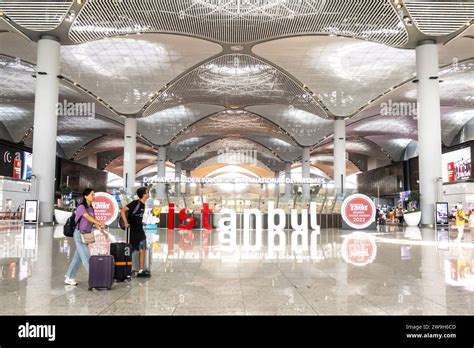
[[188, 185], [130, 155], [92, 161], [276, 190], [288, 186], [161, 172], [177, 177], [339, 155], [306, 172], [46, 124], [429, 126]]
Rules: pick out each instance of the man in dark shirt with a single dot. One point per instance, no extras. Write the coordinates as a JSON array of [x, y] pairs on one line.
[[133, 217]]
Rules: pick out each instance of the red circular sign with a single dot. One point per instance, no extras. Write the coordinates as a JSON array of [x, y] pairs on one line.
[[359, 249], [105, 208], [358, 211]]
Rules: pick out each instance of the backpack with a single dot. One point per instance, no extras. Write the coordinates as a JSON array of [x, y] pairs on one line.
[[121, 223], [70, 225]]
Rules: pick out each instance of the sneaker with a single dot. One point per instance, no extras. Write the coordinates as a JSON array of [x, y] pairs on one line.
[[143, 274], [69, 281]]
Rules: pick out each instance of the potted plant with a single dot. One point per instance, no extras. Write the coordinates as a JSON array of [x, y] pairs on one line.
[[412, 216], [63, 211]]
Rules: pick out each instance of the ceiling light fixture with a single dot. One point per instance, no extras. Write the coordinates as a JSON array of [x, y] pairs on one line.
[[70, 16], [407, 21]]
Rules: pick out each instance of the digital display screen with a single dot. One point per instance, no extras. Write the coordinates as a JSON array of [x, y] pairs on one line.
[[442, 213], [15, 163], [31, 211], [456, 165]]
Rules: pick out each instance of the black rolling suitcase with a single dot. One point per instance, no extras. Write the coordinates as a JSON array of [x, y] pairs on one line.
[[122, 253]]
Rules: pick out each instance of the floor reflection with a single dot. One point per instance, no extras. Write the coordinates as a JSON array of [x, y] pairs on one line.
[[391, 271]]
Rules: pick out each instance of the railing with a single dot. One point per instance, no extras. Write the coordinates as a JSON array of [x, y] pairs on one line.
[[11, 215]]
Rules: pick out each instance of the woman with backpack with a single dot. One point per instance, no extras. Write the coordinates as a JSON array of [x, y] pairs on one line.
[[85, 219]]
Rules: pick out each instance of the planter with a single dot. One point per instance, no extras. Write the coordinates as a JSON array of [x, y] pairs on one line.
[[412, 219], [62, 216], [412, 232]]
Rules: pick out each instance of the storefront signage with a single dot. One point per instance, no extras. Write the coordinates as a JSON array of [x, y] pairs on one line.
[[106, 208], [15, 163], [358, 211]]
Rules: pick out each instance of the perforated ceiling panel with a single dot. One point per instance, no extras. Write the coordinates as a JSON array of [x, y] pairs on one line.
[[344, 73], [452, 120], [178, 151], [240, 21], [36, 15], [440, 17], [394, 146], [247, 150], [389, 126], [306, 128], [70, 143], [287, 151], [234, 123], [356, 145], [235, 81], [127, 71], [17, 119], [161, 127]]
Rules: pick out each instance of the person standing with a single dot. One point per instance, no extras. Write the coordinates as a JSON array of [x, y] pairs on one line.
[[460, 222], [132, 216], [85, 219]]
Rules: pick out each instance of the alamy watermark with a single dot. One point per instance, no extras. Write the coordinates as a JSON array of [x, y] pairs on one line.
[[75, 109], [406, 109], [233, 156]]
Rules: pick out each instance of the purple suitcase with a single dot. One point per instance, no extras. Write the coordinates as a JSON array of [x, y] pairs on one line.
[[101, 271]]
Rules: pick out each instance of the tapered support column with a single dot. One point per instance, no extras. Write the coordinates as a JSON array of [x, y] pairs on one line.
[[306, 173], [130, 155], [188, 184], [288, 186], [177, 177], [277, 185], [429, 127], [339, 155], [46, 124], [161, 172]]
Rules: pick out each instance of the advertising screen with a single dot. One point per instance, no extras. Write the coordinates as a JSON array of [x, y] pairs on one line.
[[15, 163], [442, 213], [31, 211], [456, 165]]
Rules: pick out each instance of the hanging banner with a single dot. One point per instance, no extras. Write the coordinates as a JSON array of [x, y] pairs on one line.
[[106, 208], [358, 213]]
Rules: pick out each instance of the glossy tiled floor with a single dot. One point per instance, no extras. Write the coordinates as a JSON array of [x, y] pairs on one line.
[[391, 272]]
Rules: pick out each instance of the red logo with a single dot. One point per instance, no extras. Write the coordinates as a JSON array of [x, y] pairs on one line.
[[358, 211], [17, 169], [105, 207], [451, 173]]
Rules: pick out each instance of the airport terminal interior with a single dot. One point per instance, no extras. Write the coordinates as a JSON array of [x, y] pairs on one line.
[[301, 157]]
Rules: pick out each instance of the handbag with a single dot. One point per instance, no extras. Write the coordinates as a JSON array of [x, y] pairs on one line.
[[87, 238]]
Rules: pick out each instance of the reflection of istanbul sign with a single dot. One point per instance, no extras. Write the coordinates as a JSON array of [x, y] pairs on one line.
[[358, 211], [359, 249], [105, 207], [307, 230]]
